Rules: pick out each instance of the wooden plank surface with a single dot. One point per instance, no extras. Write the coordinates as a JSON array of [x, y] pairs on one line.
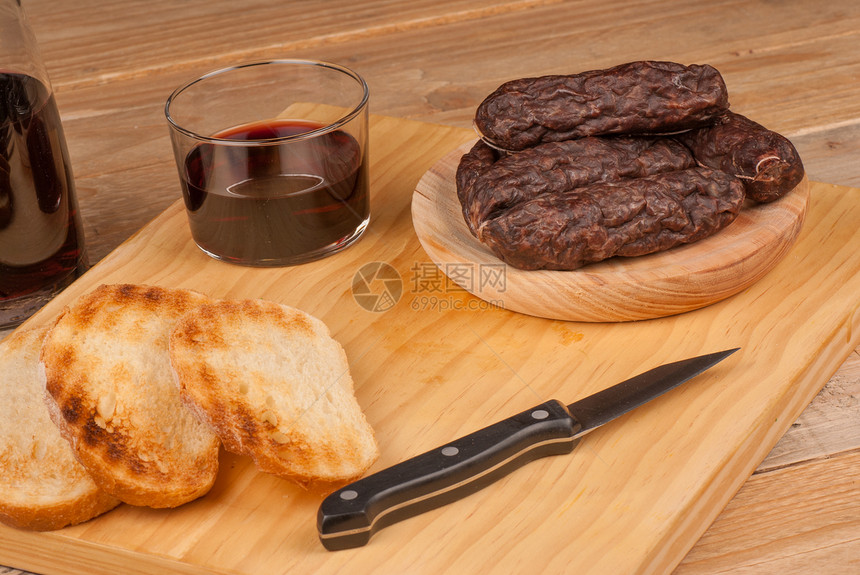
[[818, 526], [429, 370], [802, 89], [792, 65]]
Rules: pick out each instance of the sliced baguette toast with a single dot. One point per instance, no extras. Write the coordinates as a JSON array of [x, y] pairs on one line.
[[275, 386], [42, 485], [112, 396]]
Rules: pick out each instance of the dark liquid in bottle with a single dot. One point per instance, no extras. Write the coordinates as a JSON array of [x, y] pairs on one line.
[[41, 239], [279, 203]]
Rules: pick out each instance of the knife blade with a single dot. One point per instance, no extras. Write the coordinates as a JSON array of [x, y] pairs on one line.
[[348, 517]]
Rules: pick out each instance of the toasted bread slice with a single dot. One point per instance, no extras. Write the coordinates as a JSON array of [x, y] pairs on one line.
[[111, 394], [275, 386], [42, 485]]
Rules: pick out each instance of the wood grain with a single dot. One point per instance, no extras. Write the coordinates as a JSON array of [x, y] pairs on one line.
[[794, 530], [824, 428], [138, 29], [650, 484], [621, 289], [802, 503]]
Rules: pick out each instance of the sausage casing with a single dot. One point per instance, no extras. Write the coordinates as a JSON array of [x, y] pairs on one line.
[[622, 218], [642, 97], [766, 161], [557, 167]]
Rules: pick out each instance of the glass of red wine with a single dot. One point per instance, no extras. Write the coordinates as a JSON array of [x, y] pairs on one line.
[[41, 237], [272, 160]]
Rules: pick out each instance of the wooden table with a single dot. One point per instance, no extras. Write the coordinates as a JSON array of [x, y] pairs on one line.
[[793, 66]]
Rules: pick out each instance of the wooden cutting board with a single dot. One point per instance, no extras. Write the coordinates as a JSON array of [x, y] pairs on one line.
[[619, 289], [434, 362]]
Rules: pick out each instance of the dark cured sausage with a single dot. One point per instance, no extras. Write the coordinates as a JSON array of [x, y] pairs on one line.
[[643, 97], [623, 218], [562, 166], [766, 161], [472, 164]]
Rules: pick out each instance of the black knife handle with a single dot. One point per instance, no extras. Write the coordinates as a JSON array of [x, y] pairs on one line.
[[349, 516]]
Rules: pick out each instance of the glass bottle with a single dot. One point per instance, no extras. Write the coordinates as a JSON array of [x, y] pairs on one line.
[[41, 237]]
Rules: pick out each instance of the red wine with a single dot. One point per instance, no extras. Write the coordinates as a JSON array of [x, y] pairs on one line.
[[41, 238], [281, 202]]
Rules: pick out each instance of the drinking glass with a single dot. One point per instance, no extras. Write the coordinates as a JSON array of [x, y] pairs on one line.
[[272, 160]]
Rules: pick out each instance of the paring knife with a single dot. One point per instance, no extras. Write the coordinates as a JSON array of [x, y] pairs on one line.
[[349, 516]]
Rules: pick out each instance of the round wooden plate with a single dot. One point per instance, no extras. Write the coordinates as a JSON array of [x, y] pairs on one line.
[[684, 278]]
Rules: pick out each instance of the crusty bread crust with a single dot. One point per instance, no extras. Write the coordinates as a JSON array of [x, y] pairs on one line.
[[42, 485], [110, 392], [275, 386]]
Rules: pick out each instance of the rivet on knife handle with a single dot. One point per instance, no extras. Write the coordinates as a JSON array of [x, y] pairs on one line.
[[348, 517]]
